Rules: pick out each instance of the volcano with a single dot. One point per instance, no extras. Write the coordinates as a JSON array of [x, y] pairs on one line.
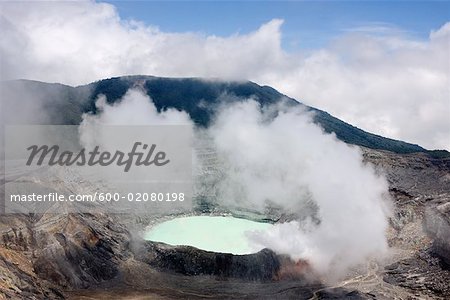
[[96, 255]]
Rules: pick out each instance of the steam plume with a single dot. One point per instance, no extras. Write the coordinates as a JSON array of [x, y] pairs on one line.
[[339, 201], [276, 156]]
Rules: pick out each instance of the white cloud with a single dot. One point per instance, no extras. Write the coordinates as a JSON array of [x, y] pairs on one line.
[[391, 84]]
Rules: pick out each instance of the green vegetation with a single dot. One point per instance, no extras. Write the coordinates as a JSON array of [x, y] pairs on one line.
[[200, 98]]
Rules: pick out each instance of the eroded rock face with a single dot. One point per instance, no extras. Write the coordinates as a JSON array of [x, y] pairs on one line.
[[262, 266], [420, 186], [437, 225], [19, 281], [55, 252], [422, 274], [415, 174]]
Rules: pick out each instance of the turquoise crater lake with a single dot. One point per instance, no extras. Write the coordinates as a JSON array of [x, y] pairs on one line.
[[211, 233]]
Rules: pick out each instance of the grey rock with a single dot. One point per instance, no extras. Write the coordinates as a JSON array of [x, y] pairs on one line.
[[437, 225]]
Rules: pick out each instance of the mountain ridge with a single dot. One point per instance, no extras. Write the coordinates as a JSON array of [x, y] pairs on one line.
[[196, 96]]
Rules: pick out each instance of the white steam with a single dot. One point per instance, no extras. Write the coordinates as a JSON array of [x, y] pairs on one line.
[[117, 127], [277, 157], [290, 162], [134, 108]]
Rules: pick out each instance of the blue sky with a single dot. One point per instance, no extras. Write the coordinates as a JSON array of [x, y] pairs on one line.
[[394, 83], [308, 24]]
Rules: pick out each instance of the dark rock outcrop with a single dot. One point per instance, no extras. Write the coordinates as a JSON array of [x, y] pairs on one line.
[[262, 266]]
